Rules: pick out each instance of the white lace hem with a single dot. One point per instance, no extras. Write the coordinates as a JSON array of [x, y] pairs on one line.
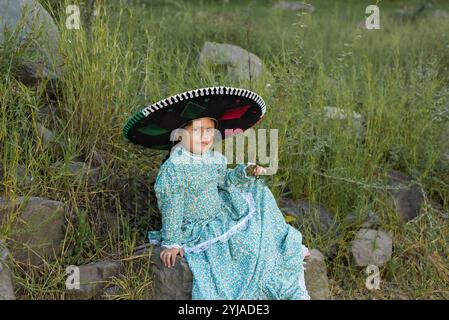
[[224, 237], [302, 285], [302, 282], [169, 246]]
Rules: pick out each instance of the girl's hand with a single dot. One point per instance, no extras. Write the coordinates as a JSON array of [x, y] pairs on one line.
[[255, 170], [168, 256]]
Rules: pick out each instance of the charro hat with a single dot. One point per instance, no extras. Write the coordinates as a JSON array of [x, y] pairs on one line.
[[232, 108]]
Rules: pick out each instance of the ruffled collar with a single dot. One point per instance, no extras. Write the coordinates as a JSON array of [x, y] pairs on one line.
[[180, 150]]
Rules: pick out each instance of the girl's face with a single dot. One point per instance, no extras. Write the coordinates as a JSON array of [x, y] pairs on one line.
[[198, 137]]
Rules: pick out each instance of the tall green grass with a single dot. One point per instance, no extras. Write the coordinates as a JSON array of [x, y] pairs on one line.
[[135, 54]]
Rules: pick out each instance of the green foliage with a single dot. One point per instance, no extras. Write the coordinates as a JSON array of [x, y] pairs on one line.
[[135, 54]]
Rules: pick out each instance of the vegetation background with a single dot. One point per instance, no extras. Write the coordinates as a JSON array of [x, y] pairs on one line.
[[133, 53]]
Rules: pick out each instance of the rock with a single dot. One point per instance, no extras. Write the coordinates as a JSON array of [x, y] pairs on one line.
[[294, 6], [443, 160], [440, 14], [170, 283], [303, 209], [176, 283], [445, 157], [409, 14], [48, 138], [79, 170], [362, 25], [111, 292], [402, 15], [331, 83], [315, 275], [42, 58], [391, 291], [38, 230], [93, 279], [241, 64], [45, 134], [371, 247], [98, 157], [407, 197], [370, 220], [49, 111], [91, 11], [319, 219], [6, 282], [20, 174], [334, 113]]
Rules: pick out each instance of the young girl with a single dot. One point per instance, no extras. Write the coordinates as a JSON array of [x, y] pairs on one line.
[[225, 223]]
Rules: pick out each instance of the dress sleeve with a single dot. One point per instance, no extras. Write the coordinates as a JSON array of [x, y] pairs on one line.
[[234, 176], [170, 191]]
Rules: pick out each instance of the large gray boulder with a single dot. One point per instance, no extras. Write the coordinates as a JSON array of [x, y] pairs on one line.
[[176, 283], [317, 282], [406, 195], [30, 20], [6, 283], [38, 228], [170, 283], [94, 279], [240, 64], [371, 247]]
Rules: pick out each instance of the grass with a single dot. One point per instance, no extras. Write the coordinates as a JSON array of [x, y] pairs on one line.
[[136, 54]]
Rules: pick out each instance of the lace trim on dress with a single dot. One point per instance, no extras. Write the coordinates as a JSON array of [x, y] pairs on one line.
[[224, 237], [302, 282], [302, 285], [191, 154]]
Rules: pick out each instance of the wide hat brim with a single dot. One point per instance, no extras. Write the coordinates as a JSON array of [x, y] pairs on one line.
[[233, 108]]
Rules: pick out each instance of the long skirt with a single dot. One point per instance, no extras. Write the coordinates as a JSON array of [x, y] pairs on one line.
[[261, 259]]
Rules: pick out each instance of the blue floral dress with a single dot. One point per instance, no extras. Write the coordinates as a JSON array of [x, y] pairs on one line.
[[236, 241]]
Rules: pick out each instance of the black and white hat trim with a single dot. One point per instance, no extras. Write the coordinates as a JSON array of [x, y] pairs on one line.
[[194, 93]]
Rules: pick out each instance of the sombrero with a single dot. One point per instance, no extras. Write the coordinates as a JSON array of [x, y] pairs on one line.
[[233, 108]]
